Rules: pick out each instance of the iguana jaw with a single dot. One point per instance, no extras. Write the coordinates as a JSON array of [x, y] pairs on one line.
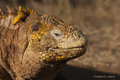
[[69, 53]]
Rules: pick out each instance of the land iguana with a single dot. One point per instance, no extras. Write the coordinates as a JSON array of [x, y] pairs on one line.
[[36, 47]]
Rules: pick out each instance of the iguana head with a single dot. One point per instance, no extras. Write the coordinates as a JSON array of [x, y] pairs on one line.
[[52, 39], [55, 40]]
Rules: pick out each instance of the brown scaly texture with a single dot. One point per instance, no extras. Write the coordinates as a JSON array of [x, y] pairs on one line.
[[36, 46]]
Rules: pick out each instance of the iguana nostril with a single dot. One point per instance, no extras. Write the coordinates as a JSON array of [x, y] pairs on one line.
[[79, 36]]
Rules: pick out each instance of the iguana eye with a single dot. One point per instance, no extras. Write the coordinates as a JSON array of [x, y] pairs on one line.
[[57, 34]]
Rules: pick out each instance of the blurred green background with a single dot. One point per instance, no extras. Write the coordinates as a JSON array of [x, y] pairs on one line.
[[99, 20]]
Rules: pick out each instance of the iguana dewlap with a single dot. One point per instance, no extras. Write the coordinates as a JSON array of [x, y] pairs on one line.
[[36, 46]]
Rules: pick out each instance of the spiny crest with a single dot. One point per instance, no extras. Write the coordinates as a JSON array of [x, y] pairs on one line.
[[3, 14], [22, 15], [11, 11]]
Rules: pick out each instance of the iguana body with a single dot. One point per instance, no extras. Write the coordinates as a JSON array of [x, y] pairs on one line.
[[36, 46]]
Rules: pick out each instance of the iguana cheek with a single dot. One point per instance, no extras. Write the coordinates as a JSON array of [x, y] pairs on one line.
[[50, 57]]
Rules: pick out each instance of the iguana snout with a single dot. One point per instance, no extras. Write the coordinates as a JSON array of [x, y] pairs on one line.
[[69, 43]]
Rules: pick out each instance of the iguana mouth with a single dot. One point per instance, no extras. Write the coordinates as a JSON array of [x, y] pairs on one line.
[[70, 48], [74, 47], [70, 53]]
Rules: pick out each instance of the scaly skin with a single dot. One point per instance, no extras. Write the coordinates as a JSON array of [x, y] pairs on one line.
[[36, 46]]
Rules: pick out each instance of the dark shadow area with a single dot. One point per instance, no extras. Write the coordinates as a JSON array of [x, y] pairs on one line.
[[75, 73]]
